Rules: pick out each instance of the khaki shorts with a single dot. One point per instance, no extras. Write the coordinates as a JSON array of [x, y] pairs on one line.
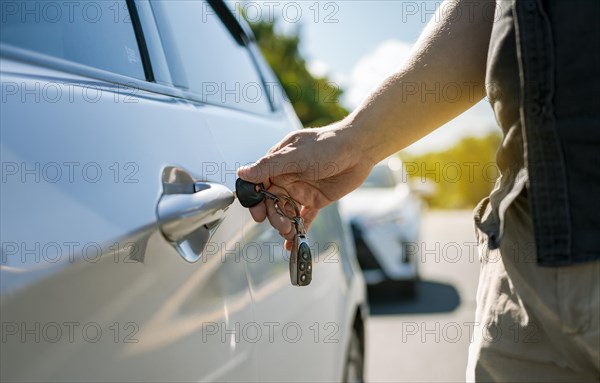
[[534, 324]]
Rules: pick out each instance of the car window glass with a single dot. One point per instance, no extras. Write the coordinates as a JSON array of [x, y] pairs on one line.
[[205, 59], [94, 33]]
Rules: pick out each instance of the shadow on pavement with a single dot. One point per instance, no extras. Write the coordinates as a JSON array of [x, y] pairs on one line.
[[430, 297]]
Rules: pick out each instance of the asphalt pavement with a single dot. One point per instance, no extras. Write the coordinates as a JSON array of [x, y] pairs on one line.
[[426, 339]]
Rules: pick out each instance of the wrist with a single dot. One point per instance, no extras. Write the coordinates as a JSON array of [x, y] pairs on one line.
[[366, 141]]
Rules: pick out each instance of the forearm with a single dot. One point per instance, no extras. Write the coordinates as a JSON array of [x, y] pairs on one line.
[[444, 76]]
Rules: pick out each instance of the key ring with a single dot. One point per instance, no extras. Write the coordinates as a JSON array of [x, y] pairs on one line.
[[294, 206], [270, 195], [300, 253], [276, 199], [296, 219]]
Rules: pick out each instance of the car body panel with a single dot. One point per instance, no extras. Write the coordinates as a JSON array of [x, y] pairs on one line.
[[54, 217], [91, 290]]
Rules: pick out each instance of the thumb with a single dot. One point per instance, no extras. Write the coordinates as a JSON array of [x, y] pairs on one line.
[[271, 165]]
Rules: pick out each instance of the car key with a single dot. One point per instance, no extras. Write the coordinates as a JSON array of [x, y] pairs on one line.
[[248, 193], [251, 195], [300, 257]]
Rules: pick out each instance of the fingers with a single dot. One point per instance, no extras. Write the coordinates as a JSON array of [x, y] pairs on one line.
[[282, 224], [259, 212], [280, 159], [266, 209], [308, 214], [279, 223], [272, 165]]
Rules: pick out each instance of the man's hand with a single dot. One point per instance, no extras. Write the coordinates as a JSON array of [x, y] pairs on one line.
[[313, 166], [318, 166]]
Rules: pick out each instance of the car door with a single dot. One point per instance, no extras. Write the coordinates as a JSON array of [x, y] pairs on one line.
[[247, 114], [90, 288], [300, 333]]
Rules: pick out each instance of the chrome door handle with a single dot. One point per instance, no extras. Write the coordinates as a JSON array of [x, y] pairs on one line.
[[181, 214], [189, 211]]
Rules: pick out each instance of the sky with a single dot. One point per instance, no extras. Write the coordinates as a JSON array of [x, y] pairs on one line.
[[357, 43]]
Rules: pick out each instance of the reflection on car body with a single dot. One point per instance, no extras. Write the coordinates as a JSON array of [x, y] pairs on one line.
[[92, 287]]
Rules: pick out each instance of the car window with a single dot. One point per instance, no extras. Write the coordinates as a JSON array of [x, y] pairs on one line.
[[380, 177], [95, 33], [206, 59]]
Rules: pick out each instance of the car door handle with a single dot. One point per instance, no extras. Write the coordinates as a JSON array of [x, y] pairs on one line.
[[190, 211]]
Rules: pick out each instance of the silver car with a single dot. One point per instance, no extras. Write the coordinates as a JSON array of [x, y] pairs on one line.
[[385, 215], [124, 254]]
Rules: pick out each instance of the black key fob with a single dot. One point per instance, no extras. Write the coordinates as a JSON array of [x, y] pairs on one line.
[[300, 262], [248, 193]]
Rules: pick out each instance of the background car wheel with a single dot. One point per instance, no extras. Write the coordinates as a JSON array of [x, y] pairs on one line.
[[354, 368]]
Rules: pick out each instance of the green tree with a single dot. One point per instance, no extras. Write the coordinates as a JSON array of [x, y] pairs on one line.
[[462, 174], [316, 100]]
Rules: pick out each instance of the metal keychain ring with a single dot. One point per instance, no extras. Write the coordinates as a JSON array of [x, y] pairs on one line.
[[294, 206], [270, 195]]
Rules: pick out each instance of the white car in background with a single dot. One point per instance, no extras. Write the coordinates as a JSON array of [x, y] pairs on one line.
[[385, 216], [124, 254]]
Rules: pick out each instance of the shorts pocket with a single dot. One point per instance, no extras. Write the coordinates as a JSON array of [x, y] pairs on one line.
[[578, 293]]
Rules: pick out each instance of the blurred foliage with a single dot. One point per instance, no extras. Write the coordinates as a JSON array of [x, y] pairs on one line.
[[316, 100], [462, 174]]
